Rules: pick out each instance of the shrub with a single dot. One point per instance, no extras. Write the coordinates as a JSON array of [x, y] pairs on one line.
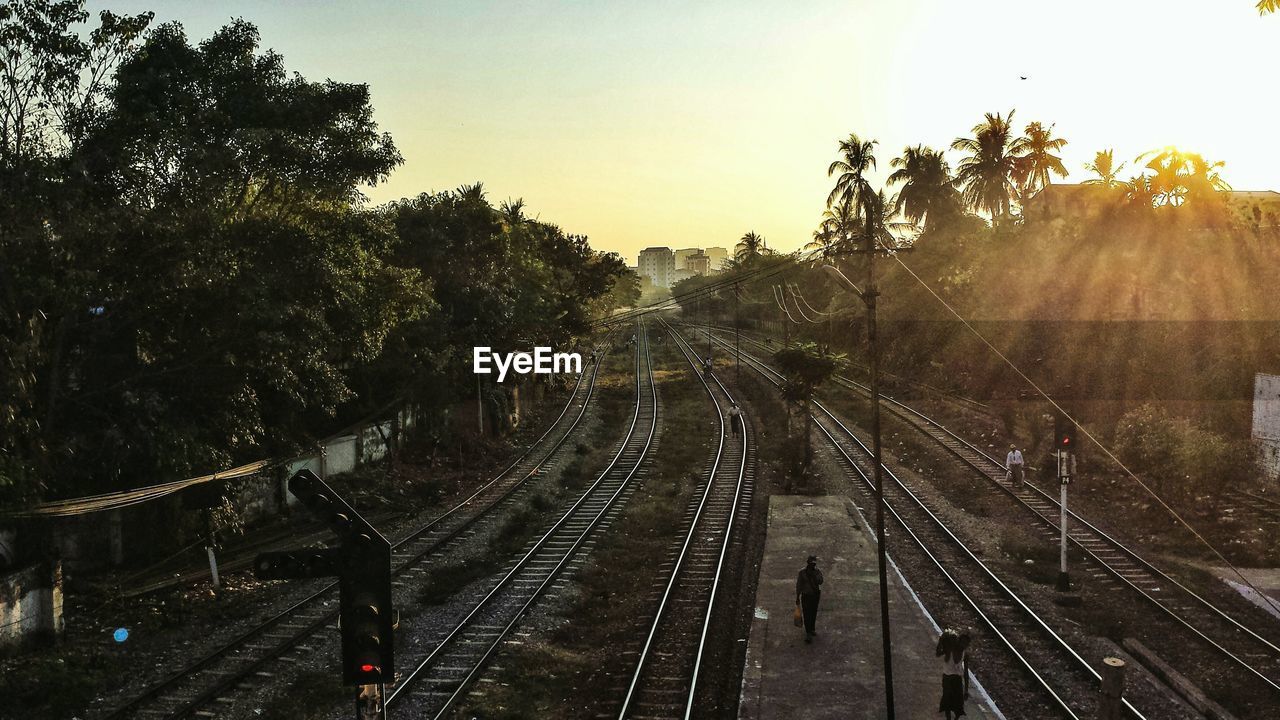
[[1176, 457]]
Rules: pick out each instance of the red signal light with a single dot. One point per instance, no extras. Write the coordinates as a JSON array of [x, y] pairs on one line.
[[367, 668]]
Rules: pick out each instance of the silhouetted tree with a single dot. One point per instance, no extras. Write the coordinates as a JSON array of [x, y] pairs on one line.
[[989, 173]]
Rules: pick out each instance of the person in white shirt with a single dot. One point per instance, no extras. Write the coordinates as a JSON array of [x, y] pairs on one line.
[[735, 417], [1014, 462]]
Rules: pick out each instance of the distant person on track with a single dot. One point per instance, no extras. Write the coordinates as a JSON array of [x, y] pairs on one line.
[[808, 592], [1015, 463], [953, 648], [735, 418]]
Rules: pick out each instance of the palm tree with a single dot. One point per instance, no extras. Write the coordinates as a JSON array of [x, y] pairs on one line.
[[1138, 191], [856, 158], [1177, 175], [751, 245], [928, 190], [1038, 161], [987, 175], [513, 212], [1202, 178], [874, 227], [1268, 6], [839, 224], [1104, 167]]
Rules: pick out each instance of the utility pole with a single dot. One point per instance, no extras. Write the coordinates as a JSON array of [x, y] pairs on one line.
[[869, 298], [873, 357], [737, 342]]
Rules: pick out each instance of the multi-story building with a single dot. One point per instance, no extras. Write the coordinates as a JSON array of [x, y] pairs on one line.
[[698, 264], [658, 264], [684, 254], [717, 257]]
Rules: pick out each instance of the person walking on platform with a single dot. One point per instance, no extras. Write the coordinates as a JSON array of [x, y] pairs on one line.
[[735, 418], [953, 648], [1014, 462], [808, 592]]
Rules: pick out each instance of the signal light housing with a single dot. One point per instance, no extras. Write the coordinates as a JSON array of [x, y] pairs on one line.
[[363, 567], [1064, 434]]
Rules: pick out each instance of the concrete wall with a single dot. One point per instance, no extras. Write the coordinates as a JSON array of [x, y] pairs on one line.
[[98, 539], [30, 604], [1266, 423]]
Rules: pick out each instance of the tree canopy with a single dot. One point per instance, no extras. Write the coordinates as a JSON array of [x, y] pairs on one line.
[[190, 273]]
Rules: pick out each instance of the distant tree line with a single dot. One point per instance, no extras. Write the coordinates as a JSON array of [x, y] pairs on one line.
[[190, 274], [1145, 308]]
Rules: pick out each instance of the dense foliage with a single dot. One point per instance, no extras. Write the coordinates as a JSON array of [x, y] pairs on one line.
[[190, 274]]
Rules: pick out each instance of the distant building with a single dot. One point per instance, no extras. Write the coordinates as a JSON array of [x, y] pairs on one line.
[[1074, 200], [681, 274], [717, 258], [1266, 423], [658, 264], [699, 264], [684, 254]]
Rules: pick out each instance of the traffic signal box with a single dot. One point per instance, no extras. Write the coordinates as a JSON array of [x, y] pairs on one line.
[[362, 564], [1064, 434]]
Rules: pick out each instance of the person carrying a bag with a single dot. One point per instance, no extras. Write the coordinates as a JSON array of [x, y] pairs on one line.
[[808, 592]]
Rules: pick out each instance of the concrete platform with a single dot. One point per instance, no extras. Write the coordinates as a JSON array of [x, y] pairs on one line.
[[839, 675], [1266, 580]]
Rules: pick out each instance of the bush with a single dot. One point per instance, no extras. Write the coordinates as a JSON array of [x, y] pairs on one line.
[[1177, 458]]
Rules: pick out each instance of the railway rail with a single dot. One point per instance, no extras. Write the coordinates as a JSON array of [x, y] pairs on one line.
[[1224, 635], [1067, 683], [664, 683], [441, 677], [1243, 646], [216, 675]]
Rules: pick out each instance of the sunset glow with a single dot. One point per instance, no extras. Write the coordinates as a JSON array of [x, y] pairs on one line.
[[676, 132]]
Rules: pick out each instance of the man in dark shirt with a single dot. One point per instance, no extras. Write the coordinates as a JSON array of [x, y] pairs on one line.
[[808, 591]]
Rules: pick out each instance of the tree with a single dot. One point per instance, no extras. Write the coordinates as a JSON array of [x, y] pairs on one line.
[[215, 280], [1268, 6], [989, 173], [805, 367], [1177, 176], [1037, 162], [1104, 167], [750, 246], [857, 157], [838, 225], [928, 190]]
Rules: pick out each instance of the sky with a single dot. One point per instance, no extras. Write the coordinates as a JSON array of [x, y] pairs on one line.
[[688, 124]]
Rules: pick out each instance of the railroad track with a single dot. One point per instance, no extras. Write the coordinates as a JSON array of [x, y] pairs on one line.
[[1262, 509], [441, 677], [1240, 645], [215, 677], [1067, 684], [665, 680]]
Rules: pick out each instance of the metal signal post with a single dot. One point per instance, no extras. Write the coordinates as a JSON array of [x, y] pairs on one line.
[[362, 564], [1064, 442]]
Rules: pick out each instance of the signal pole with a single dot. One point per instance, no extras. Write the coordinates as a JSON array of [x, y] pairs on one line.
[[362, 564], [1064, 437]]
